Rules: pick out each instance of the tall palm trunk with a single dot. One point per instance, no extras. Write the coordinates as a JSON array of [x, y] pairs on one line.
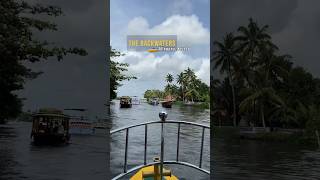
[[233, 98], [262, 116], [182, 93], [234, 105]]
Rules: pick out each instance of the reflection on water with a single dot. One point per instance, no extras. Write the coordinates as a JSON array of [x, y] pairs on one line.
[[190, 138], [19, 159], [84, 158], [245, 159]]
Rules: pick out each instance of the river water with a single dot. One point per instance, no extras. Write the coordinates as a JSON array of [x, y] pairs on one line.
[[190, 139], [86, 156], [247, 159]]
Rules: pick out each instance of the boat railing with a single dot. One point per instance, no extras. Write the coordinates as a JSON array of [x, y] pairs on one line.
[[177, 161]]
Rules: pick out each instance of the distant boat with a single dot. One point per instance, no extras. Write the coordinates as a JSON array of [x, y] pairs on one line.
[[154, 101], [50, 126], [135, 100], [125, 102], [166, 104]]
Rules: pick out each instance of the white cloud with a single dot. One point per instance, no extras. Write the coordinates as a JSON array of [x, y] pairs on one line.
[[189, 29], [180, 7], [148, 67], [151, 68]]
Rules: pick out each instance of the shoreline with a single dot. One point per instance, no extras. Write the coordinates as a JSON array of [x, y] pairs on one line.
[[202, 105], [289, 136]]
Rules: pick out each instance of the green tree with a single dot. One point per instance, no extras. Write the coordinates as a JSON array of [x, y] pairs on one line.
[[252, 38], [260, 97], [192, 84], [312, 113], [182, 82], [117, 75], [169, 78], [226, 56], [149, 94], [19, 45], [192, 94], [269, 87]]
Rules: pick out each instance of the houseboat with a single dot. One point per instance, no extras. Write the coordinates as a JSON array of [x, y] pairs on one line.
[[125, 102], [166, 104], [154, 101], [50, 126]]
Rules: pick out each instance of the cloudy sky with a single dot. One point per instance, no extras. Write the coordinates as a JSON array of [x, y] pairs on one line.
[[188, 19], [294, 25], [79, 81]]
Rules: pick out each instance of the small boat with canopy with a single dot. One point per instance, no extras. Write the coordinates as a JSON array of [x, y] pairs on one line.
[[50, 126], [125, 102]]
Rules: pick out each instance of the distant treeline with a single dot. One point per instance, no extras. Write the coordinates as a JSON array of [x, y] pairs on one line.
[[188, 88]]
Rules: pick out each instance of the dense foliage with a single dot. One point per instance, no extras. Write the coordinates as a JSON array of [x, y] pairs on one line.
[[262, 87], [18, 45], [188, 87], [117, 75]]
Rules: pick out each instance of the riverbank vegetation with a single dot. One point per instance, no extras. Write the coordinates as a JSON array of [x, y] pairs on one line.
[[185, 89], [261, 86], [19, 46], [117, 73]]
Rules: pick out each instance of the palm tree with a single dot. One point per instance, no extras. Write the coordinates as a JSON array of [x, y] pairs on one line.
[[192, 84], [252, 38], [192, 94], [222, 99], [168, 88], [181, 80], [260, 97], [242, 71], [284, 113], [189, 75], [169, 78], [225, 57], [272, 65], [260, 69]]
